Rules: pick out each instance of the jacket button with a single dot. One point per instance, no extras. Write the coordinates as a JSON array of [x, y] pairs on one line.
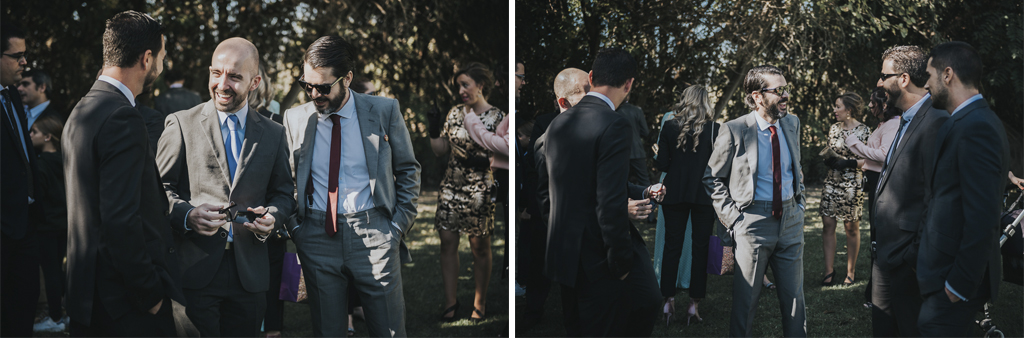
[[170, 250], [223, 234]]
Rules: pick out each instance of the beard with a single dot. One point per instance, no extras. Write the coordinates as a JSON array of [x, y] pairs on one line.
[[894, 94], [332, 104], [940, 97], [774, 111], [233, 105], [150, 78]]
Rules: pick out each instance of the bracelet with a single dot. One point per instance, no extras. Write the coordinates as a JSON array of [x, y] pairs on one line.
[[262, 238]]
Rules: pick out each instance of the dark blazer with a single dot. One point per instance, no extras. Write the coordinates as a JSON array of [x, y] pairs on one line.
[[901, 198], [531, 185], [194, 168], [587, 160], [176, 99], [52, 110], [638, 123], [960, 237], [120, 249], [154, 120], [17, 171], [684, 169], [50, 210]]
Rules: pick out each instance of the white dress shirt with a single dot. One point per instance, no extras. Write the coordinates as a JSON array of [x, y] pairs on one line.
[[120, 86]]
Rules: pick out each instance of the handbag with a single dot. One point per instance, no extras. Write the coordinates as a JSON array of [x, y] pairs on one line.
[[293, 284], [720, 258]]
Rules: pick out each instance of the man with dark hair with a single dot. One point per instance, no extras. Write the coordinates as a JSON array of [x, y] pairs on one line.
[[902, 190], [216, 160], [177, 97], [958, 265], [19, 261], [35, 87], [356, 178], [756, 186], [593, 250], [121, 256]]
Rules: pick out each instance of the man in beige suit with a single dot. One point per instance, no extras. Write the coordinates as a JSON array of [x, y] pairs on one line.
[[756, 187], [358, 182], [212, 155]]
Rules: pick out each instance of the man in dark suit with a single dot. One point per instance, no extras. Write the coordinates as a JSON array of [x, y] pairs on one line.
[[902, 193], [120, 252], [592, 247], [958, 265], [177, 97], [35, 87], [19, 265], [219, 153], [638, 171], [756, 186]]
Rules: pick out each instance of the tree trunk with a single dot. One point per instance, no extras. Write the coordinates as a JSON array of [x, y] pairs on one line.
[[734, 84], [291, 97]]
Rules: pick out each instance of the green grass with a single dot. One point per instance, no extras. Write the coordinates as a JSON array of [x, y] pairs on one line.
[[834, 311]]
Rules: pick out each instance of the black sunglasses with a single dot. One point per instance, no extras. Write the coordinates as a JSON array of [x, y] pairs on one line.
[[241, 216], [16, 56], [777, 90], [886, 76], [323, 89], [521, 76]]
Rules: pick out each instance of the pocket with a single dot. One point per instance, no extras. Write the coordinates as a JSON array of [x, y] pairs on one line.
[[945, 244]]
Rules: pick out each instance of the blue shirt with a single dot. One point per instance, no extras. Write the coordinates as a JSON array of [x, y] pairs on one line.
[[603, 98], [225, 132], [908, 116], [976, 97], [763, 182], [34, 112], [353, 174]]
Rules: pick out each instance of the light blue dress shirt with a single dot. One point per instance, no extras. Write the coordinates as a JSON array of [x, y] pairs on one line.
[[909, 117], [603, 98], [120, 86], [353, 175], [34, 112], [225, 133], [763, 183]]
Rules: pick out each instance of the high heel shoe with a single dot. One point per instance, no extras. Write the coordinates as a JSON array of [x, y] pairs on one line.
[[669, 309], [454, 309], [692, 313]]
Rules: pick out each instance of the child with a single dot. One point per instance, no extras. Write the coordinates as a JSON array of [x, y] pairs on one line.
[[48, 214]]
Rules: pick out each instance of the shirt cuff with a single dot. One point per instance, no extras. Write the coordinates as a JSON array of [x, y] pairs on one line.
[[801, 205], [185, 223], [957, 294], [400, 232]]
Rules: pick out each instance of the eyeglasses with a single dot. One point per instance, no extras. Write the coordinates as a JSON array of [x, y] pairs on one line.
[[886, 76], [521, 76], [16, 56], [780, 90], [323, 89]]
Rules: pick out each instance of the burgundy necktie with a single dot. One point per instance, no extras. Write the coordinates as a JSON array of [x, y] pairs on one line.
[[776, 175], [331, 224]]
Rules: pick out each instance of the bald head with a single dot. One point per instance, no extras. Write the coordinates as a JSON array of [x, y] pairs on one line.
[[240, 50], [234, 72], [571, 84]]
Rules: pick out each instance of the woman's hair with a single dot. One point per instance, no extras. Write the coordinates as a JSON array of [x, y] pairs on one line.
[[692, 112], [479, 73], [50, 125], [853, 102], [879, 98], [260, 97]]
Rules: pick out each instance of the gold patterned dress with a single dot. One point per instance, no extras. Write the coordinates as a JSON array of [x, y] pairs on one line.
[[842, 196], [465, 203]]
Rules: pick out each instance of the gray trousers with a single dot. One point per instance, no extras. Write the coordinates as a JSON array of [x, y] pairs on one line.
[[762, 240], [364, 252]]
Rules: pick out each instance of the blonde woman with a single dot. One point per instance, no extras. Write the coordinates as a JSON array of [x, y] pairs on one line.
[[685, 148]]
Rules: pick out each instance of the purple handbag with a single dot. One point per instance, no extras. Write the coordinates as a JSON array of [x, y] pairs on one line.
[[293, 285], [720, 258]]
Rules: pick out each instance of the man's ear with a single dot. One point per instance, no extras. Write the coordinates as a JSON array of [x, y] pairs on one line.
[[757, 98], [947, 76], [255, 82], [564, 103], [590, 78], [629, 85], [147, 59]]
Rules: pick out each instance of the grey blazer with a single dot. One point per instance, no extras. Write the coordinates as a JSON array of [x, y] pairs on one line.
[[394, 171], [729, 177], [194, 170]]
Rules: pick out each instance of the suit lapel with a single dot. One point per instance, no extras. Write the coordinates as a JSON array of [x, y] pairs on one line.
[[793, 142], [750, 142], [902, 143], [251, 139], [304, 164], [368, 124], [946, 127], [208, 120]]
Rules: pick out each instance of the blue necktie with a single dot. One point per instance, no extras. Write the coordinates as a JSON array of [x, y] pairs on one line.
[[229, 146]]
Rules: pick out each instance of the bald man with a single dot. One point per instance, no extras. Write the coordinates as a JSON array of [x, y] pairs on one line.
[[219, 160]]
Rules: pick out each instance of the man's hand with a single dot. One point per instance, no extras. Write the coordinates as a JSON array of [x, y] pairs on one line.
[[1016, 181], [525, 215], [656, 192], [263, 225], [952, 297], [156, 308], [639, 209], [206, 219]]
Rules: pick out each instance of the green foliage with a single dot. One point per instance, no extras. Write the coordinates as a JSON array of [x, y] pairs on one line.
[[825, 47], [408, 48]]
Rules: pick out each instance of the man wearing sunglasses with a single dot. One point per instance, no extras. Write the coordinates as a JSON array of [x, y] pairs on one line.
[[218, 160], [357, 183], [756, 186]]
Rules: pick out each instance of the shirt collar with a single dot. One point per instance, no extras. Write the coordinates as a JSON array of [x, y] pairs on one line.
[[603, 98], [910, 113], [347, 110], [124, 89], [976, 97], [762, 124], [176, 85], [39, 108], [241, 113]]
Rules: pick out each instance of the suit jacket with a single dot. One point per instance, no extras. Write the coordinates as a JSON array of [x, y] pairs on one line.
[[194, 168], [684, 168], [586, 154], [176, 99], [637, 122], [390, 161], [902, 195], [960, 237], [120, 250], [154, 124], [17, 170], [531, 184], [52, 111], [730, 178]]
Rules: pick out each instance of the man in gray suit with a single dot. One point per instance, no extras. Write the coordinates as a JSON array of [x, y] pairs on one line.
[[756, 186], [358, 182], [214, 155]]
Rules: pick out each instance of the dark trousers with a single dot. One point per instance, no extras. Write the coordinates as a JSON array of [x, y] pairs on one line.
[[534, 235], [897, 302], [941, 318], [224, 308], [609, 307], [702, 217], [274, 317], [132, 324], [19, 284], [53, 246], [869, 188]]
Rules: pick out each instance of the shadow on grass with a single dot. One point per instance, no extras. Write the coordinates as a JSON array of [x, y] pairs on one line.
[[833, 311]]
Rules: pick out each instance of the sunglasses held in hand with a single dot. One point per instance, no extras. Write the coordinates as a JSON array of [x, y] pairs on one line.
[[241, 216]]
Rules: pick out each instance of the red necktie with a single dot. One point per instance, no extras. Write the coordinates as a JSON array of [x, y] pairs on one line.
[[776, 175], [330, 223]]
